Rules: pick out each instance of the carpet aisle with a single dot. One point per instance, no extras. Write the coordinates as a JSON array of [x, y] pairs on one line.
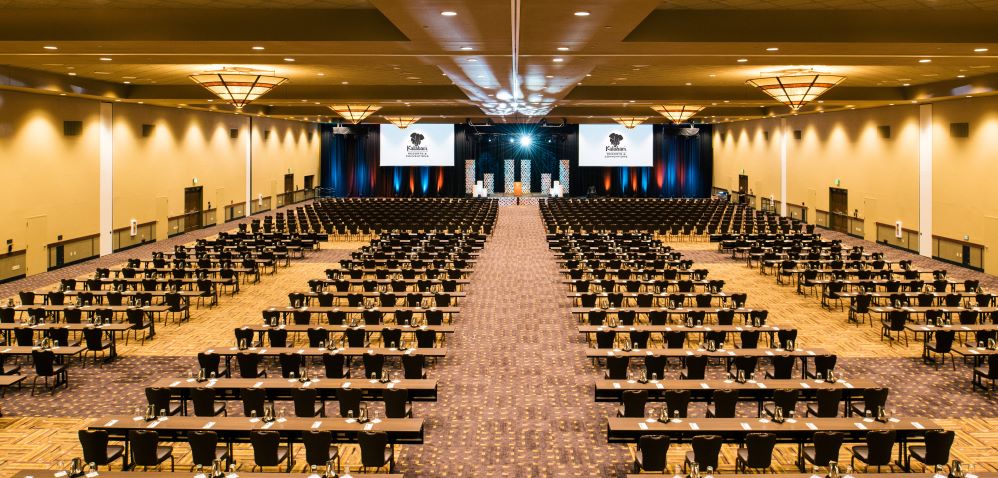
[[515, 396]]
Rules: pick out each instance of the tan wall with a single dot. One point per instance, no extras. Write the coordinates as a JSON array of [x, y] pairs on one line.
[[47, 176], [881, 175], [965, 200], [53, 180], [289, 145]]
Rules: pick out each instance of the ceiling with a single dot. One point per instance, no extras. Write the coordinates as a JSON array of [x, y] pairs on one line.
[[517, 60]]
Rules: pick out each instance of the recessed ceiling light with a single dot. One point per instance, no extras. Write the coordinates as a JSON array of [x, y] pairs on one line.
[[472, 59], [63, 94], [689, 84], [905, 84], [772, 48], [289, 59], [548, 76], [976, 50], [448, 13], [320, 74], [344, 82], [467, 48], [258, 48], [925, 60], [742, 60], [558, 60], [712, 75], [128, 82], [961, 76], [49, 47], [105, 59], [211, 101], [582, 13], [72, 74], [142, 102], [588, 75], [631, 101], [563, 48]]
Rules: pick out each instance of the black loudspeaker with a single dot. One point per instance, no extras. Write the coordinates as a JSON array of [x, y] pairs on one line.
[[233, 133], [959, 130], [266, 134], [798, 134], [72, 128], [147, 130], [884, 131]]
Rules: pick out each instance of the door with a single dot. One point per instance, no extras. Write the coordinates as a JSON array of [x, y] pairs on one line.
[[742, 188], [838, 208], [193, 204], [309, 182], [289, 183]]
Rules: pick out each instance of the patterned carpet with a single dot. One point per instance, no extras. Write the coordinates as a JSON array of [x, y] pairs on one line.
[[516, 389]]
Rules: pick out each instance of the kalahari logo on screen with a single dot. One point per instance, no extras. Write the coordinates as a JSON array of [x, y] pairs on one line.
[[416, 139], [615, 140]]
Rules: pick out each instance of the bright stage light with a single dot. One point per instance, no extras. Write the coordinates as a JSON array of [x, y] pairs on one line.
[[526, 140]]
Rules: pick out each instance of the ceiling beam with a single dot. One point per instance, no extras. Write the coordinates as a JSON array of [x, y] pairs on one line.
[[354, 93], [720, 93], [810, 26], [196, 24]]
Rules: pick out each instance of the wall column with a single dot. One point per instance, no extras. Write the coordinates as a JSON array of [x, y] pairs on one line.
[[106, 147], [925, 180], [784, 131], [249, 170]]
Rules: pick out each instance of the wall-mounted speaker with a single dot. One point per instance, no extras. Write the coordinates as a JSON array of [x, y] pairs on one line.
[[147, 130], [798, 134], [266, 134], [72, 128], [884, 131], [233, 133], [959, 130]]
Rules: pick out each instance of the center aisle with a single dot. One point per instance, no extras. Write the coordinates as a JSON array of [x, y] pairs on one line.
[[516, 396]]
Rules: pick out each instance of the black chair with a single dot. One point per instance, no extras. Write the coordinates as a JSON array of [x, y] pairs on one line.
[[426, 339], [605, 339], [723, 404], [139, 321], [745, 364], [374, 365], [307, 403], [375, 451], [46, 367], [873, 400], [706, 449], [942, 346], [877, 451], [633, 403], [349, 400], [655, 366], [757, 453], [254, 400], [24, 336], [935, 452], [319, 450], [249, 365], [291, 364], [317, 337], [651, 453], [696, 368], [267, 450], [161, 399], [277, 337], [203, 399], [785, 399], [616, 368], [412, 367], [895, 322], [827, 406], [205, 448], [335, 365], [823, 364], [146, 451], [93, 339], [246, 336], [211, 364], [989, 373], [749, 339], [783, 367], [96, 449], [826, 448], [677, 402], [356, 338], [397, 404]]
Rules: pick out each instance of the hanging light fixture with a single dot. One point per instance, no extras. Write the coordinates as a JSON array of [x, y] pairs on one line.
[[678, 113], [796, 88], [630, 122], [402, 122], [355, 113], [237, 85]]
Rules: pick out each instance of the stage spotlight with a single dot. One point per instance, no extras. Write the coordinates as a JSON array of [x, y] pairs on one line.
[[526, 140]]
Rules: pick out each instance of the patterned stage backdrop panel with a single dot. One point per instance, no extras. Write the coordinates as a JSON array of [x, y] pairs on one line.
[[563, 175], [525, 175], [469, 176], [545, 183], [490, 183], [509, 168]]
